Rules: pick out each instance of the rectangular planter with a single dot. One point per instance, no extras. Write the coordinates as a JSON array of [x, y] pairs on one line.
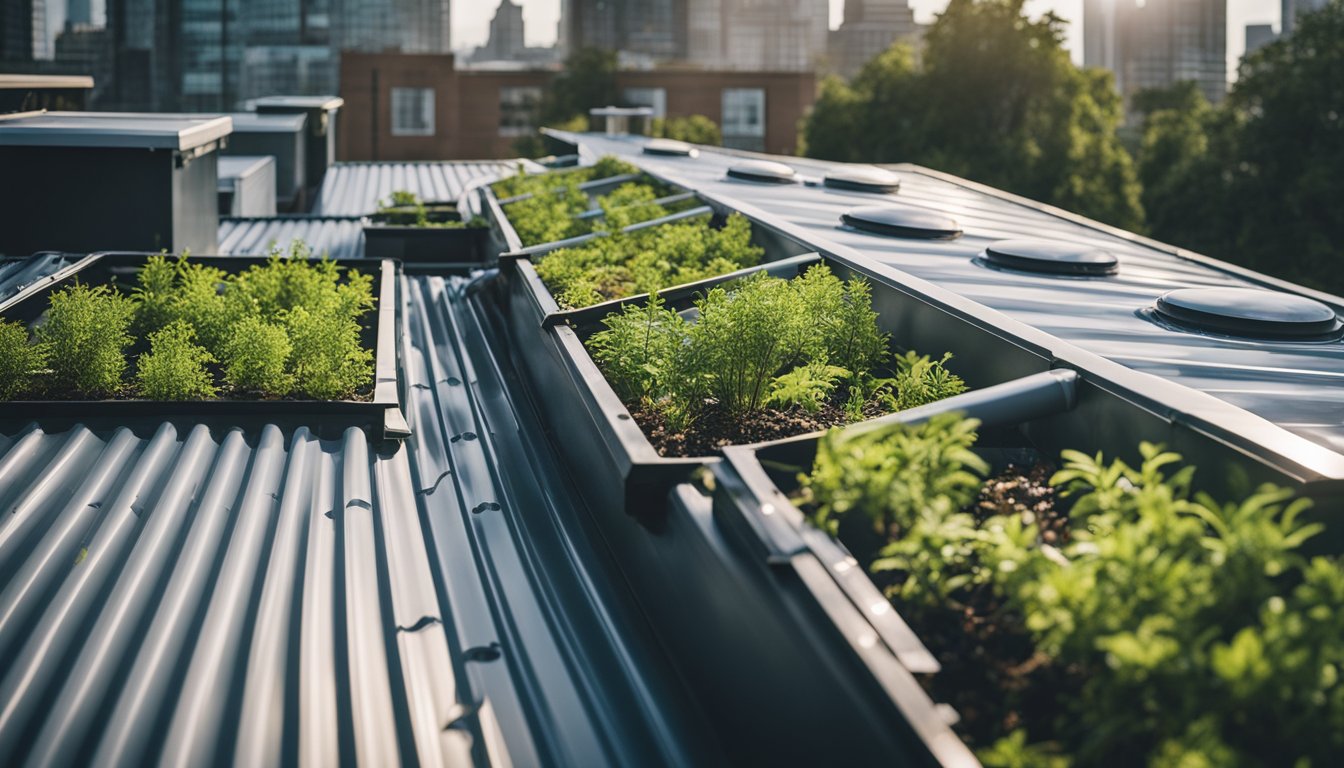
[[612, 459], [382, 414], [466, 247]]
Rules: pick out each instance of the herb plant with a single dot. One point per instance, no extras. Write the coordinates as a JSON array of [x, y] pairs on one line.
[[256, 358], [86, 333], [753, 356], [20, 360], [175, 366], [1162, 627], [627, 264]]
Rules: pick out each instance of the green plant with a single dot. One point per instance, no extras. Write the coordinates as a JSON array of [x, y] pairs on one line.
[[86, 333], [329, 362], [256, 358], [696, 129], [626, 264], [629, 204], [155, 293], [20, 360], [920, 380], [175, 366], [637, 349], [548, 215], [807, 387]]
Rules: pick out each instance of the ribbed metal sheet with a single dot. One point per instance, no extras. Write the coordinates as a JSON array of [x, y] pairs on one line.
[[1298, 386], [355, 189], [340, 237], [186, 595]]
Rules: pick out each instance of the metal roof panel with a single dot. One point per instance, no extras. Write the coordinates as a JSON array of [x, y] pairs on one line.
[[355, 189], [113, 129], [340, 237]]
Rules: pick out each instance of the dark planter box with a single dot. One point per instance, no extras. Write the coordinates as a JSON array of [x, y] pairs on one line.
[[406, 215], [614, 462], [456, 247], [382, 413]]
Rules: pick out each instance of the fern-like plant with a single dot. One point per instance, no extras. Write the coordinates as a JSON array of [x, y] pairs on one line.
[[175, 366]]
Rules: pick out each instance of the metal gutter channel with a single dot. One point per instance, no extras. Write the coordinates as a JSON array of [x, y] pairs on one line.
[[178, 594]]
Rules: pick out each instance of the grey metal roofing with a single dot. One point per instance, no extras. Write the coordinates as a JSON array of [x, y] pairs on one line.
[[113, 129], [300, 102], [355, 189], [189, 594], [1298, 386], [340, 237], [252, 122]]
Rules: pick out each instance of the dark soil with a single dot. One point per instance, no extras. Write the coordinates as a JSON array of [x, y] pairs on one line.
[[991, 673], [715, 428]]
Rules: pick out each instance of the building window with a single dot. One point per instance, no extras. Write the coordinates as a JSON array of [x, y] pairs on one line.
[[519, 108], [412, 111], [744, 118], [653, 98]]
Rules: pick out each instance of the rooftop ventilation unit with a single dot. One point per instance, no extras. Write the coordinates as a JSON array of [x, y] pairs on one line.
[[246, 186], [864, 179], [764, 171], [670, 148], [1051, 258], [902, 221], [617, 121], [321, 143], [283, 137], [1250, 313], [93, 181]]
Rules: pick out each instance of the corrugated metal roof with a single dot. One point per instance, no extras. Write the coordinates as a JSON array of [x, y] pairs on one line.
[[185, 594], [341, 238], [355, 189], [1297, 385]]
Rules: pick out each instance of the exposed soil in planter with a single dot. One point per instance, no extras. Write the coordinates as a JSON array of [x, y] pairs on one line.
[[991, 673], [715, 428]]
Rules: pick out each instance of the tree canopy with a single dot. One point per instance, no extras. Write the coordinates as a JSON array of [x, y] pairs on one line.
[[1257, 181], [994, 98]]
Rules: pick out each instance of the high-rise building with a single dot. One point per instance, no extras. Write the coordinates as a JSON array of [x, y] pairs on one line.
[[17, 30], [1258, 36], [869, 28], [763, 35], [652, 28], [1294, 8], [1158, 43], [507, 34]]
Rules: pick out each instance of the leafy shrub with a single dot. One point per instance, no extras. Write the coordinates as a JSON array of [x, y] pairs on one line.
[[549, 216], [922, 380], [174, 368], [629, 204], [627, 264], [20, 361], [1176, 629], [155, 294], [329, 362], [256, 358], [523, 183], [696, 129], [86, 334]]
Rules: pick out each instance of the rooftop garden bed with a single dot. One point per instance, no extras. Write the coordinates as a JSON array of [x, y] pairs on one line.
[[1086, 610], [523, 183], [135, 328], [409, 229], [758, 359]]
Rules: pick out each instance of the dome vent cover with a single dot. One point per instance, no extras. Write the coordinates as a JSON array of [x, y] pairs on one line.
[[1250, 312], [1051, 257], [766, 171], [902, 221], [670, 148], [864, 179]]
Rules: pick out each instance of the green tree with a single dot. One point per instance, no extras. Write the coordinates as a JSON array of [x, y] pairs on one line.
[[589, 80], [995, 99], [1256, 180], [697, 129]]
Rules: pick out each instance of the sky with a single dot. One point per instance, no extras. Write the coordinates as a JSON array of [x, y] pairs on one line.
[[471, 20]]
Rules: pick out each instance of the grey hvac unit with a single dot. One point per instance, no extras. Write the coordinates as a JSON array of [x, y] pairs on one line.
[[247, 185], [321, 113], [90, 181], [283, 137]]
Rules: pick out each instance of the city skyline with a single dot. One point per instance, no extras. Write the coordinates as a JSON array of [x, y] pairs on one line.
[[471, 21]]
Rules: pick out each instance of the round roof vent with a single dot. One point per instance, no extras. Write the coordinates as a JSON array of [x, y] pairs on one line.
[[670, 148], [766, 171], [864, 179], [1250, 312], [1051, 257], [902, 221]]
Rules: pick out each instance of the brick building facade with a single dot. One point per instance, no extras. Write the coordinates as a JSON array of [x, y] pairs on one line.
[[421, 107]]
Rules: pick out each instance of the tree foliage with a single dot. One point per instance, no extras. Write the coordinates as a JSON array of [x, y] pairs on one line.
[[696, 129], [1256, 180], [588, 81], [995, 99]]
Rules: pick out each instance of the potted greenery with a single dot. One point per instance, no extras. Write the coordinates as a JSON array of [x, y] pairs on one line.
[[283, 334], [408, 229]]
